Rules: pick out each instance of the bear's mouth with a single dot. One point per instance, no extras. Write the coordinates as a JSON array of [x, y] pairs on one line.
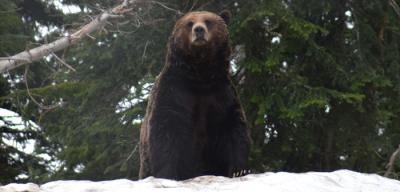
[[199, 41]]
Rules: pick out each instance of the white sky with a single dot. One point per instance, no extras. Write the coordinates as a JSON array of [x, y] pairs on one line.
[[66, 9], [15, 118]]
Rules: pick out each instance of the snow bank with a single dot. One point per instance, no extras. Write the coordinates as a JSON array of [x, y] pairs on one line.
[[338, 181]]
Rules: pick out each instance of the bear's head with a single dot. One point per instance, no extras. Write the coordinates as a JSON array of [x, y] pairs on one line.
[[201, 36]]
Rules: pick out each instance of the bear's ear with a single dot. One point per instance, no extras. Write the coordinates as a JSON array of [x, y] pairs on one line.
[[226, 16], [178, 15]]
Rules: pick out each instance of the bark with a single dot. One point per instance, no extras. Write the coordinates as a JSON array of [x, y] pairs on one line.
[[390, 165]]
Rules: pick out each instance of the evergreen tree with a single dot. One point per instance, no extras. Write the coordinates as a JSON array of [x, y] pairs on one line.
[[19, 22], [319, 81], [320, 78]]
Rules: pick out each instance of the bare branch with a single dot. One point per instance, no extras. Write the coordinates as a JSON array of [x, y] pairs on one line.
[[193, 5], [133, 152], [9, 58], [144, 51], [30, 95], [164, 6], [395, 6], [390, 165], [90, 36], [37, 53], [63, 62]]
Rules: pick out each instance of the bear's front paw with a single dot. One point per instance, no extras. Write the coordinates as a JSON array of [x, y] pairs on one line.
[[241, 173]]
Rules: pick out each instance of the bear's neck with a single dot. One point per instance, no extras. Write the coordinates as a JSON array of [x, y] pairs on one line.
[[201, 67]]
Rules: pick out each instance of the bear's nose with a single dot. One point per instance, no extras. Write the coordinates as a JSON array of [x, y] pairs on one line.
[[199, 31]]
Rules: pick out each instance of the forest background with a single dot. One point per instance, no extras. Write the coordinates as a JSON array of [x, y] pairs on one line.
[[319, 81]]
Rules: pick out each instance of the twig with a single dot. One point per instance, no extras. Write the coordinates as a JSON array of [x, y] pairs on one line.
[[390, 165], [133, 152], [395, 6], [63, 62], [30, 95], [164, 6], [193, 5], [144, 51], [91, 36]]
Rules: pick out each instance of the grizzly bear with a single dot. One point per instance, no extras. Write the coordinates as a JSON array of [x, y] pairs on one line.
[[194, 124]]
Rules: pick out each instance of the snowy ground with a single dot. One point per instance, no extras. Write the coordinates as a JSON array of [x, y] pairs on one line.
[[338, 181]]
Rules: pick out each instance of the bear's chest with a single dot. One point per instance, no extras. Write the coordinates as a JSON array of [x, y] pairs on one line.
[[208, 113], [204, 109]]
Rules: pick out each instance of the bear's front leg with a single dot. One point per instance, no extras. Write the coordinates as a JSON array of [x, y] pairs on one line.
[[238, 141], [170, 144]]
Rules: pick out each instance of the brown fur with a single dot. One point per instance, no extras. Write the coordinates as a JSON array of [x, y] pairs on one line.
[[182, 35], [194, 123]]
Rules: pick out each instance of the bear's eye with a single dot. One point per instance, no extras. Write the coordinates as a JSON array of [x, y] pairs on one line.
[[190, 24], [208, 23]]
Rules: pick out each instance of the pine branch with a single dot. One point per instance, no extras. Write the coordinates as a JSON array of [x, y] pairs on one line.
[[28, 56]]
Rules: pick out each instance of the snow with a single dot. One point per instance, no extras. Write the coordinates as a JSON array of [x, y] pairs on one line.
[[338, 181], [29, 187]]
